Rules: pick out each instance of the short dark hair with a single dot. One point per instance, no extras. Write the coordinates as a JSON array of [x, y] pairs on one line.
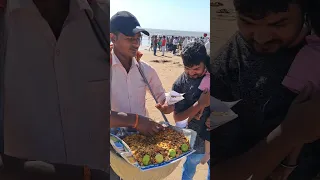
[[313, 15], [194, 53], [258, 9]]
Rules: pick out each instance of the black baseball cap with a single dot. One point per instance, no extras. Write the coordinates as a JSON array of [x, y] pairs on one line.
[[126, 23]]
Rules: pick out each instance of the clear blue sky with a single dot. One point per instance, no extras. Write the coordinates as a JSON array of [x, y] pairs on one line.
[[184, 15]]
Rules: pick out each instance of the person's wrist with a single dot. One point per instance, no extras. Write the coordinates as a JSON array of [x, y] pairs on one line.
[[136, 122], [199, 105], [132, 119], [290, 163], [289, 138]]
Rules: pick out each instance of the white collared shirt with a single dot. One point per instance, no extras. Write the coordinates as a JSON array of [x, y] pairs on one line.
[[128, 90], [56, 105]]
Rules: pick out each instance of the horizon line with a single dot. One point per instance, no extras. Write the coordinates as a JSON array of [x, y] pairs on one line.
[[177, 30]]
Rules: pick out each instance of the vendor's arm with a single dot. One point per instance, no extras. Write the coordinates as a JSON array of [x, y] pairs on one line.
[[164, 107], [143, 124], [158, 90], [120, 119]]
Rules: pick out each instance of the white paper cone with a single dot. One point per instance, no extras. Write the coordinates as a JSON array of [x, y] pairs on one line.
[[173, 97]]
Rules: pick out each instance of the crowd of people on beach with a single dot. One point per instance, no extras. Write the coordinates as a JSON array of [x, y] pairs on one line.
[[175, 44]]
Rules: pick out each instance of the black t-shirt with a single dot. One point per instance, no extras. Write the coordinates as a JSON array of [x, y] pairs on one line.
[[190, 87], [239, 73]]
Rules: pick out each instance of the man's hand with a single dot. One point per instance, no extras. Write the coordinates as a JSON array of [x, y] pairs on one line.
[[204, 100], [165, 108], [303, 120], [148, 127], [209, 128]]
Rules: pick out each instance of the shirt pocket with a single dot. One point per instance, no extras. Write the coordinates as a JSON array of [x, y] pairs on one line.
[[137, 96], [139, 93]]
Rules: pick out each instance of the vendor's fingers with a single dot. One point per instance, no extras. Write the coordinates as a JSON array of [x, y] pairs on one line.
[[159, 106], [155, 129], [150, 133], [160, 127]]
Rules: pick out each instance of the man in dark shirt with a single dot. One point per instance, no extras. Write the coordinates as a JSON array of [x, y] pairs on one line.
[[194, 57], [251, 67]]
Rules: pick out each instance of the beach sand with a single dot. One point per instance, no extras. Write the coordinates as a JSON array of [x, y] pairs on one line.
[[222, 25]]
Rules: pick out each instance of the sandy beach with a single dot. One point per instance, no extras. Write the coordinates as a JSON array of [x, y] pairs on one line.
[[223, 23]]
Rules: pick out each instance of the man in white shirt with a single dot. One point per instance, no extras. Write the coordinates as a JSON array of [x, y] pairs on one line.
[[185, 42], [207, 45], [128, 89], [175, 45]]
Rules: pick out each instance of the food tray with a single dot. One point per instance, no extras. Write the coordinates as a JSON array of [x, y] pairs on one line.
[[124, 151]]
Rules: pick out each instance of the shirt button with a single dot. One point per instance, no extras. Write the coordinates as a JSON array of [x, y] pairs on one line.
[[57, 52]]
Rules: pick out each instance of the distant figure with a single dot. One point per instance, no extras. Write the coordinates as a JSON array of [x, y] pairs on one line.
[[167, 46], [155, 44], [180, 43], [205, 37], [185, 42], [163, 44], [151, 43], [170, 43], [175, 44], [159, 43], [207, 45]]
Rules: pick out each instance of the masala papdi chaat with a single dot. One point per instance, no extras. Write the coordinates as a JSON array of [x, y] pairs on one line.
[[164, 146]]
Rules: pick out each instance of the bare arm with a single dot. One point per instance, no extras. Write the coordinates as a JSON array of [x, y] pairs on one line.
[[118, 119], [204, 101], [190, 112], [144, 125]]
